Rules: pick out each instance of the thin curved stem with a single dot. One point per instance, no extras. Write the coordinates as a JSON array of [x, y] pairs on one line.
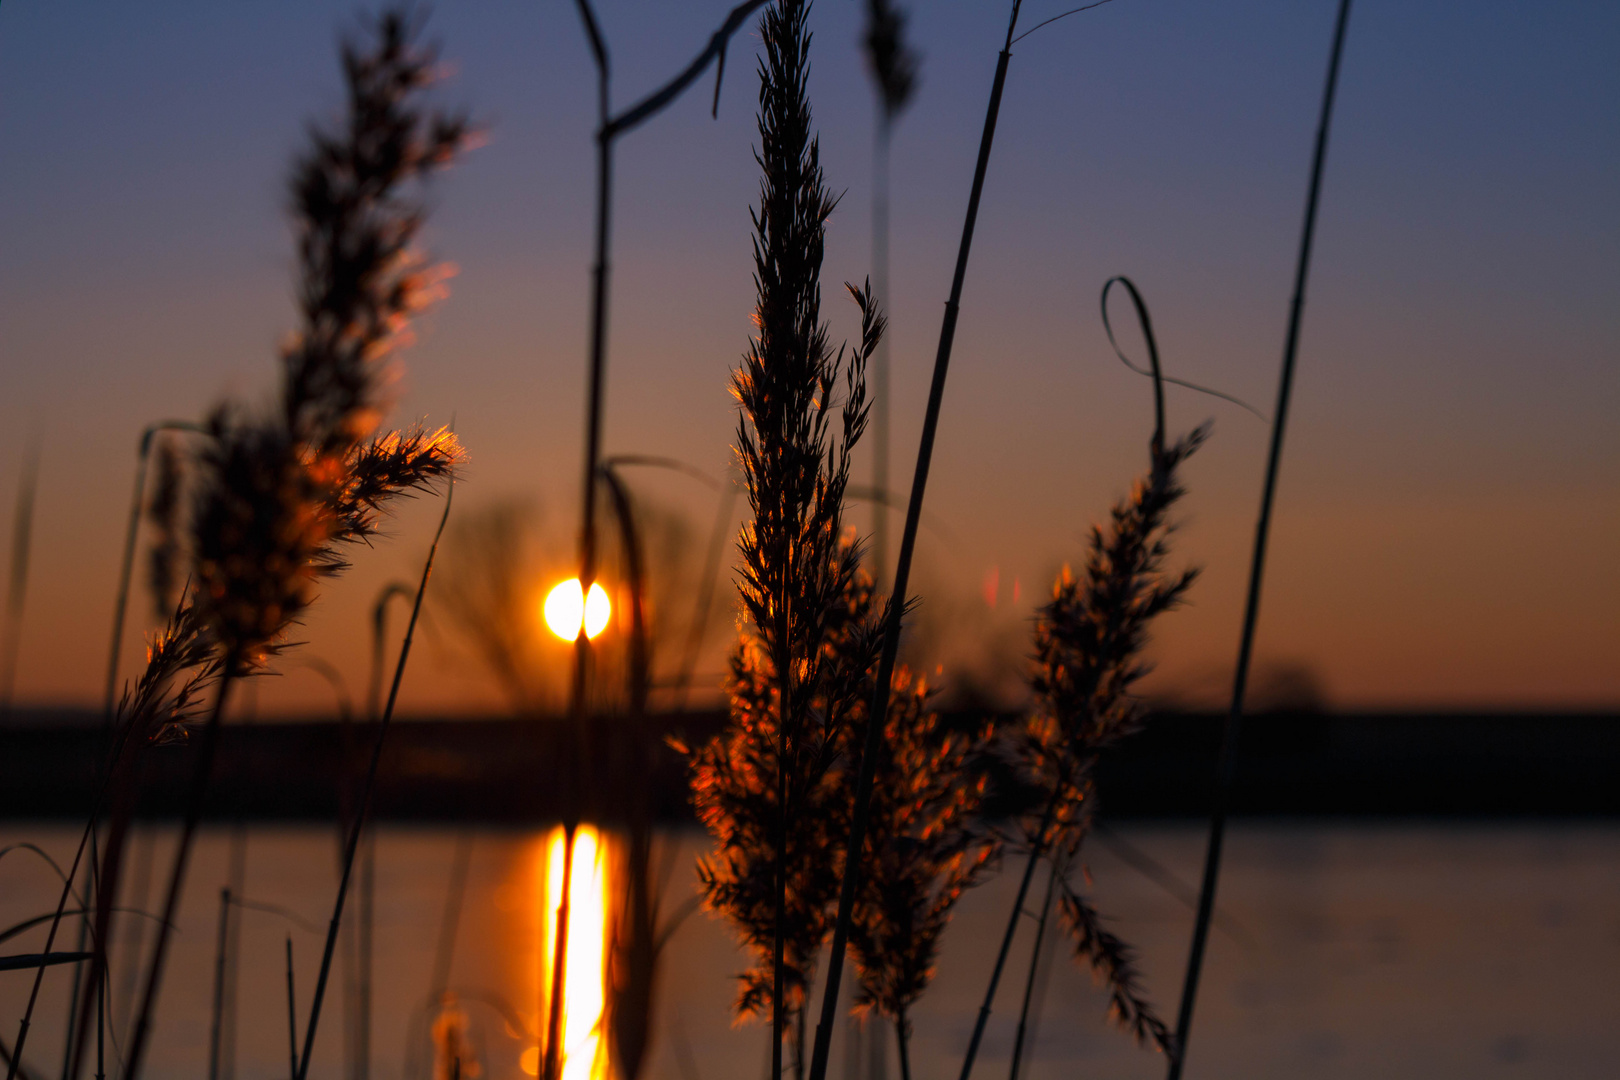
[[659, 99], [1155, 374], [711, 572], [379, 625], [705, 593], [1062, 15], [630, 539], [277, 910]]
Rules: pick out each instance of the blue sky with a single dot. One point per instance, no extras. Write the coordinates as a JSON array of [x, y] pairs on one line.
[[1450, 502]]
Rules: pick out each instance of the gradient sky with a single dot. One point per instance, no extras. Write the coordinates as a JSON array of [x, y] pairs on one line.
[[1449, 510]]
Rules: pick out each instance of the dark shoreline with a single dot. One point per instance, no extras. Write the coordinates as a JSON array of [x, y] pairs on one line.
[[1390, 764]]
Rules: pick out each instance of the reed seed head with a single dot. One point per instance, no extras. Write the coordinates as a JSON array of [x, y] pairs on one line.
[[924, 847], [1089, 640], [893, 63]]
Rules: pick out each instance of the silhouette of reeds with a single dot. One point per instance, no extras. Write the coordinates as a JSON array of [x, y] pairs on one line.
[[1109, 956], [180, 665], [610, 128], [850, 885], [1088, 643], [766, 788], [273, 497], [1089, 639], [776, 802]]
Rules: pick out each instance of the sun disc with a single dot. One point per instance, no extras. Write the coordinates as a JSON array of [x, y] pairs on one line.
[[597, 611], [565, 608]]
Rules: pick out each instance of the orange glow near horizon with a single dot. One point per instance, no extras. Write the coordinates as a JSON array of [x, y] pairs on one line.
[[584, 1054], [565, 609]]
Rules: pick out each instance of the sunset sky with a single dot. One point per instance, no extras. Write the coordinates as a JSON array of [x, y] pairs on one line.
[[1449, 512]]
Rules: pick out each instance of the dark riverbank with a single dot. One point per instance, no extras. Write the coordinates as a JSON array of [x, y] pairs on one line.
[[1388, 764]]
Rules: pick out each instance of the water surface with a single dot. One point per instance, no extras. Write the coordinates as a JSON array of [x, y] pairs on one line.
[[1342, 950]]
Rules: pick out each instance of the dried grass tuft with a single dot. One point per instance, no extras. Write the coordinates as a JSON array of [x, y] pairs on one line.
[[275, 496], [767, 788], [1089, 640]]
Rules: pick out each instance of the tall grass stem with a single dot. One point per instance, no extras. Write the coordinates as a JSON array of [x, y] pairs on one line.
[[292, 1016], [355, 828], [14, 1066], [878, 714], [217, 1011], [608, 131], [1035, 851], [1034, 969], [1227, 768]]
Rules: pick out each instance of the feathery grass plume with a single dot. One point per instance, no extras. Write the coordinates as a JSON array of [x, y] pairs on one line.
[[361, 277], [1088, 646], [893, 62], [275, 496], [390, 466], [735, 791], [182, 661], [764, 787], [923, 850]]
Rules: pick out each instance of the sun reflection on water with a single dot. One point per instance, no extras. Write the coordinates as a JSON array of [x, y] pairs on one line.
[[584, 1056]]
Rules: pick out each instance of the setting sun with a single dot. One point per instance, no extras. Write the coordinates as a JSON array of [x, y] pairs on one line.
[[565, 610]]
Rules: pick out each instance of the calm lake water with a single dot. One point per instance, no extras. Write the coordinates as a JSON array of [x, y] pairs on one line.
[[1342, 950]]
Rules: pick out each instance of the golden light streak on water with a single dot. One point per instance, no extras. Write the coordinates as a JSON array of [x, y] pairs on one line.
[[584, 980]]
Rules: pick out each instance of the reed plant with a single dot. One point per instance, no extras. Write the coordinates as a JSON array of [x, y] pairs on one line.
[[1089, 640], [276, 496], [767, 787], [610, 128], [774, 794], [849, 886], [1088, 643]]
